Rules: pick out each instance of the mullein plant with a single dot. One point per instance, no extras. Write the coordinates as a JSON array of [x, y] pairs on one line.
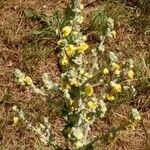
[[82, 103]]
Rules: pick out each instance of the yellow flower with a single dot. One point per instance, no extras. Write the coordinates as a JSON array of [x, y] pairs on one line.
[[132, 124], [105, 71], [83, 46], [81, 71], [88, 75], [130, 74], [113, 34], [28, 80], [92, 105], [15, 121], [73, 104], [74, 82], [80, 21], [117, 88], [70, 50], [111, 138], [64, 61], [89, 90], [66, 30], [81, 6], [75, 33], [79, 144], [80, 136], [110, 97], [117, 72], [65, 86], [115, 66]]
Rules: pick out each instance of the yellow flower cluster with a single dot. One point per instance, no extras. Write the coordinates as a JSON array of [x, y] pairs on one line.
[[110, 97], [114, 34], [79, 144], [132, 124], [130, 74], [117, 88], [81, 6], [70, 50], [65, 86], [15, 121], [66, 31], [28, 80], [73, 104], [83, 47], [117, 72], [64, 60], [92, 105], [74, 82], [115, 66], [88, 90], [86, 116], [25, 80], [105, 71], [80, 20], [111, 138], [135, 116]]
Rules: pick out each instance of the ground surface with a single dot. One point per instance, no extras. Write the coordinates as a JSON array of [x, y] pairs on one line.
[[15, 34]]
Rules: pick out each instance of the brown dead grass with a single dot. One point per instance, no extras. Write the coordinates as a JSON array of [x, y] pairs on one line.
[[14, 30]]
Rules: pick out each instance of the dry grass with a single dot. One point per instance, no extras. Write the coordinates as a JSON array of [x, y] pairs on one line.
[[15, 33]]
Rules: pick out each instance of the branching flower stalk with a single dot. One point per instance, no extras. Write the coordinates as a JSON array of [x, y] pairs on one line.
[[42, 130], [81, 101], [78, 93], [82, 105]]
